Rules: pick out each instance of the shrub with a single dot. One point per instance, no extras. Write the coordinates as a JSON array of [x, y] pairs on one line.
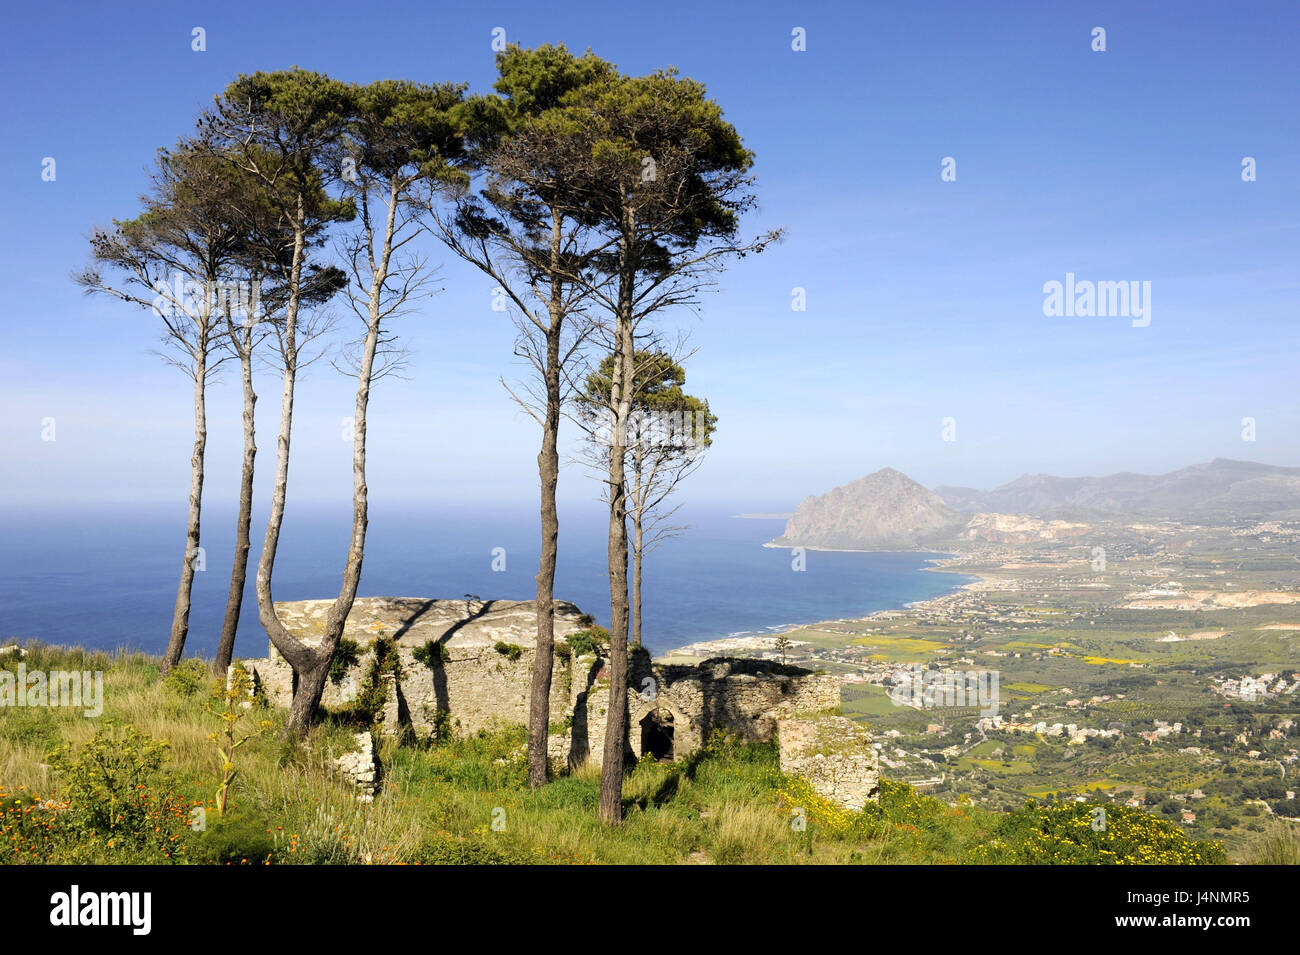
[[433, 654], [511, 651], [900, 809], [588, 642], [118, 798], [368, 706], [1069, 833], [190, 677], [28, 824], [443, 728], [232, 840], [345, 658], [446, 849], [485, 761]]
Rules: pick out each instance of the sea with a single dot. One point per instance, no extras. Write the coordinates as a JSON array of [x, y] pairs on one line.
[[106, 577]]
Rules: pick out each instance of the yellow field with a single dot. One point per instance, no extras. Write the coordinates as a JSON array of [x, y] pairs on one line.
[[899, 648], [1029, 687]]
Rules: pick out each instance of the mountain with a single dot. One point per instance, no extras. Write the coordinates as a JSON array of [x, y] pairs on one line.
[[886, 510], [1222, 488]]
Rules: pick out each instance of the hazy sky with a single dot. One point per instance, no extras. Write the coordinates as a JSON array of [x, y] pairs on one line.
[[924, 297]]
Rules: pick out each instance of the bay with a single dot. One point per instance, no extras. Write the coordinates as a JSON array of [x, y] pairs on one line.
[[106, 577]]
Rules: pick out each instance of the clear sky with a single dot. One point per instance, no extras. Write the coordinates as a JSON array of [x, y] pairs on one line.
[[924, 297]]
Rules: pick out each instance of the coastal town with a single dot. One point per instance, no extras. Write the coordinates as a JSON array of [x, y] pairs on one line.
[[1155, 664]]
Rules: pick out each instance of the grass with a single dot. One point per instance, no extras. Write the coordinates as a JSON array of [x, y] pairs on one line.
[[867, 700], [1278, 844], [467, 801]]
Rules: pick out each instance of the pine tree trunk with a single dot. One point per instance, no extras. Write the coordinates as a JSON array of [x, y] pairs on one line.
[[337, 615], [638, 540], [313, 664], [239, 573], [636, 510], [539, 708], [611, 775], [181, 612], [548, 470], [298, 656], [307, 691]]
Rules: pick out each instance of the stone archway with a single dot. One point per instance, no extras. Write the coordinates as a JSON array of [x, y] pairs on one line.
[[657, 735]]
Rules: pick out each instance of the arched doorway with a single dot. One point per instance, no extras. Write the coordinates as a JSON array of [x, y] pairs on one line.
[[657, 734]]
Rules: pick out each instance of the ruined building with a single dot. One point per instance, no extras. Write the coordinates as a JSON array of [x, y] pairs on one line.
[[465, 665]]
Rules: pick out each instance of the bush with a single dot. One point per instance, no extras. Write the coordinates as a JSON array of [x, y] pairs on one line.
[[344, 659], [433, 654], [588, 642], [1064, 833], [511, 651], [900, 811], [443, 729], [190, 677], [446, 849], [368, 707], [28, 824], [117, 798], [231, 840]]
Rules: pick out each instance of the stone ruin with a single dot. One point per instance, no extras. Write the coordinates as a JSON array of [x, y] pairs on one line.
[[834, 754], [476, 671], [361, 768]]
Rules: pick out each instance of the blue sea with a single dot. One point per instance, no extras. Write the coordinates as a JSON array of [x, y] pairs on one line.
[[107, 577]]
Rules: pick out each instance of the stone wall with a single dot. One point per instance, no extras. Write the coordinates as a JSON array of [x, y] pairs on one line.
[[477, 685], [834, 754], [744, 697], [672, 708]]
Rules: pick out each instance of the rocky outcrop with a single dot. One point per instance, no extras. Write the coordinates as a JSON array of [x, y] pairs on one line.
[[834, 755], [886, 510], [1018, 529]]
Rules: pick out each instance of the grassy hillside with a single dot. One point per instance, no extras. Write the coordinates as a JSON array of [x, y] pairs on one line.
[[124, 788]]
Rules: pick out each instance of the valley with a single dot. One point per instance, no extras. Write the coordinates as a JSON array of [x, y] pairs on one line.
[[1151, 663]]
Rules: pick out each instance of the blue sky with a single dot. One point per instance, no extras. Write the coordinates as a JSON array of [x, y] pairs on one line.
[[924, 298]]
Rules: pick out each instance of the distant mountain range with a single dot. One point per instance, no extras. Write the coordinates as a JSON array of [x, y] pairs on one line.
[[887, 510], [1222, 488]]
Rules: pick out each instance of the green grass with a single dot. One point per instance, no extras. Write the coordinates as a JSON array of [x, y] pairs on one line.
[[467, 801], [867, 700]]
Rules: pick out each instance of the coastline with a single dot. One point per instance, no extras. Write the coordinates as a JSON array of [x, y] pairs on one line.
[[744, 644]]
